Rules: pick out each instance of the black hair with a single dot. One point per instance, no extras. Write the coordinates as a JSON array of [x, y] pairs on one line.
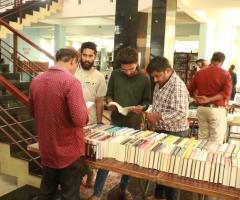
[[88, 45], [158, 64], [218, 57], [127, 55], [66, 54], [200, 61], [232, 67]]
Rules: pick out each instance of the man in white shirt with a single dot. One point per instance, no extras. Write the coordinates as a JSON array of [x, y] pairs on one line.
[[93, 81], [94, 88]]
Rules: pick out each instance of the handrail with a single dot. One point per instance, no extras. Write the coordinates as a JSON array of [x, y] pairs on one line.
[[17, 123], [14, 90], [20, 8], [38, 67], [26, 39], [19, 146], [19, 65], [6, 3]]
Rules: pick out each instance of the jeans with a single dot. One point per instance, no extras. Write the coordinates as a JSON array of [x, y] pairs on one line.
[[101, 179], [164, 192]]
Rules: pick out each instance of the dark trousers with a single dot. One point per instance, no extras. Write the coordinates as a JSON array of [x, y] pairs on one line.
[[164, 192], [68, 178]]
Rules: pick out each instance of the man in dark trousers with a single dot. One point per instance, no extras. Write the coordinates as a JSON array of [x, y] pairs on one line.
[[57, 104]]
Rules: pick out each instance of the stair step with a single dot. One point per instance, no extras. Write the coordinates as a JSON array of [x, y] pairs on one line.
[[4, 68], [22, 85], [4, 138], [25, 192], [34, 168], [20, 113], [12, 76], [21, 155], [37, 172], [15, 149]]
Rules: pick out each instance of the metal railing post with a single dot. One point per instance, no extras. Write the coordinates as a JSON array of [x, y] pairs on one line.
[[21, 11], [14, 56]]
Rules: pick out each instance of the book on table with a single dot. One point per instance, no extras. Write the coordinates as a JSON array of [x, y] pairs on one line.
[[187, 157]]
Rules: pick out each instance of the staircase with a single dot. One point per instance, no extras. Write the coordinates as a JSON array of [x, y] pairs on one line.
[[13, 160], [17, 128], [24, 14]]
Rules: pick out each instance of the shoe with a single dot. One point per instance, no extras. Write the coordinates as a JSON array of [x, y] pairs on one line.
[[153, 198], [94, 197]]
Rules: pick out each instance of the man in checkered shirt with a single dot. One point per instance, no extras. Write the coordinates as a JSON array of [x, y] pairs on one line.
[[170, 110]]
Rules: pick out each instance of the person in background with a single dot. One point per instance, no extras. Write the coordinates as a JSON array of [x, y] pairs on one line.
[[214, 86], [94, 89], [57, 104], [169, 111], [201, 63], [234, 80], [128, 87]]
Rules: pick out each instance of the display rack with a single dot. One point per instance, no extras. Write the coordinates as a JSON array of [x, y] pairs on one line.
[[185, 65]]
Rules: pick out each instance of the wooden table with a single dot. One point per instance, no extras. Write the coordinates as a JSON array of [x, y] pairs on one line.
[[167, 179]]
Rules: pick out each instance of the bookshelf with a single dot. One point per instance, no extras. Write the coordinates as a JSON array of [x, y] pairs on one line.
[[185, 65]]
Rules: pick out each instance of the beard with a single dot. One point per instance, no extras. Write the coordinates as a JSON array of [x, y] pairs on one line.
[[87, 65]]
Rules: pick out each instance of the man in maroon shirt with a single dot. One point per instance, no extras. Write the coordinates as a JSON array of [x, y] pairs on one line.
[[57, 104], [211, 88]]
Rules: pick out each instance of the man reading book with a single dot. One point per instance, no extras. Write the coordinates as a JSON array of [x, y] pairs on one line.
[[128, 86], [170, 110]]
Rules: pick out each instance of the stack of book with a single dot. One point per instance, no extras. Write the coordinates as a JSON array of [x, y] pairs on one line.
[[188, 157]]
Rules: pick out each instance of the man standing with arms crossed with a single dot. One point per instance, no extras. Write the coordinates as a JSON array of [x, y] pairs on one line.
[[57, 104], [211, 87]]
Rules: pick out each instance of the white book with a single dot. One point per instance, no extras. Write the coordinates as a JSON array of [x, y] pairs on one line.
[[123, 110], [208, 164], [238, 173], [227, 171], [202, 165], [198, 164], [213, 167]]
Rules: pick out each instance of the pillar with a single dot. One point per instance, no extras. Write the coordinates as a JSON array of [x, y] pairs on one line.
[[125, 25], [59, 37], [163, 28]]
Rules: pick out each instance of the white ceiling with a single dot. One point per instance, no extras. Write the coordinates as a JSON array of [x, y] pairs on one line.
[[189, 12]]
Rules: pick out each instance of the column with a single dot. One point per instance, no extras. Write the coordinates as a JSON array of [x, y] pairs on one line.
[[206, 40], [163, 28], [59, 37], [125, 25], [143, 52]]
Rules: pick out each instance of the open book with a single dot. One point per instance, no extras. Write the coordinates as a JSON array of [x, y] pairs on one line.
[[123, 110]]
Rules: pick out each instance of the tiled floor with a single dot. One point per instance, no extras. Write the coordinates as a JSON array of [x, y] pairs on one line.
[[7, 184]]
